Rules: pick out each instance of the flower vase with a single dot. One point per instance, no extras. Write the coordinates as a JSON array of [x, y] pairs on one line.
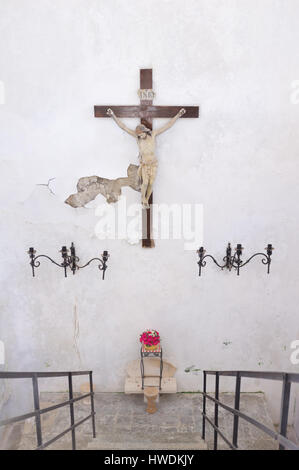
[[151, 348]]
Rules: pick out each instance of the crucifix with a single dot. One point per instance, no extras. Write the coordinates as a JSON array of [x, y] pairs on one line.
[[146, 111]]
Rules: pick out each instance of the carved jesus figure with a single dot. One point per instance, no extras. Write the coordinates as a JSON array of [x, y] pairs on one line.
[[146, 144]]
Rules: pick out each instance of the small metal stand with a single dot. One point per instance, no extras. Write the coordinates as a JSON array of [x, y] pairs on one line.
[[155, 353]]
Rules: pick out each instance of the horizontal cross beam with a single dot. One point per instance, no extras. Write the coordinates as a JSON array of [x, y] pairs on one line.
[[147, 111]]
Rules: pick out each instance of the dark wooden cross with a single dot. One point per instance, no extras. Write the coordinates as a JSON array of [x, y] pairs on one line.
[[146, 111]]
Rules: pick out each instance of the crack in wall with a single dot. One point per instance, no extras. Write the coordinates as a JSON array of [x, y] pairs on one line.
[[48, 185], [76, 333]]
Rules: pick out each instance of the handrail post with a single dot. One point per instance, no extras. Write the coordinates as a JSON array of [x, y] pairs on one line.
[[284, 409], [203, 434], [92, 405], [72, 411], [216, 410], [38, 426], [237, 407]]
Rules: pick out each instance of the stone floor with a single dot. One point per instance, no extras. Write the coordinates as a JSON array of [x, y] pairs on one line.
[[122, 423]]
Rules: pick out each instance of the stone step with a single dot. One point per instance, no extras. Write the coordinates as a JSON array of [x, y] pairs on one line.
[[141, 441], [123, 423]]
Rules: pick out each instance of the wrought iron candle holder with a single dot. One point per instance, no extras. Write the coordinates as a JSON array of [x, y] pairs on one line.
[[234, 260], [69, 260]]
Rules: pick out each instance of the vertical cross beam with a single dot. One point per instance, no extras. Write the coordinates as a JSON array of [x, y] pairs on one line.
[[146, 111], [146, 82]]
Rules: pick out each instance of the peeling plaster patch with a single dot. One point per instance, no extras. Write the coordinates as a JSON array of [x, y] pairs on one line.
[[2, 92], [76, 332], [48, 185], [193, 370], [89, 187]]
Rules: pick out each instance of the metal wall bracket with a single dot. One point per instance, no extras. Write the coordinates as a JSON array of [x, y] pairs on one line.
[[69, 260]]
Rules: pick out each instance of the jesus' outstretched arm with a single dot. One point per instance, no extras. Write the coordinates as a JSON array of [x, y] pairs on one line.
[[170, 123], [120, 123]]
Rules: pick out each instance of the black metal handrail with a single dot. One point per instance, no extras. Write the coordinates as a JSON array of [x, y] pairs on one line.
[[281, 437], [38, 412]]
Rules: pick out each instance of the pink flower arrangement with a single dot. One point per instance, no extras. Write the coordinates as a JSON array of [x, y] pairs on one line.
[[150, 338]]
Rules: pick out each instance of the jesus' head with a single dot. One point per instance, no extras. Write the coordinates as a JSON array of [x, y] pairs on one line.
[[142, 131]]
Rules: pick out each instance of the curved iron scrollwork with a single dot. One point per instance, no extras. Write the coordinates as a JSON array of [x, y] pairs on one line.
[[234, 260], [68, 260], [103, 263]]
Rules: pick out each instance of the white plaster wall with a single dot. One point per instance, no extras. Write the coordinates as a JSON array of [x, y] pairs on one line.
[[237, 59]]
